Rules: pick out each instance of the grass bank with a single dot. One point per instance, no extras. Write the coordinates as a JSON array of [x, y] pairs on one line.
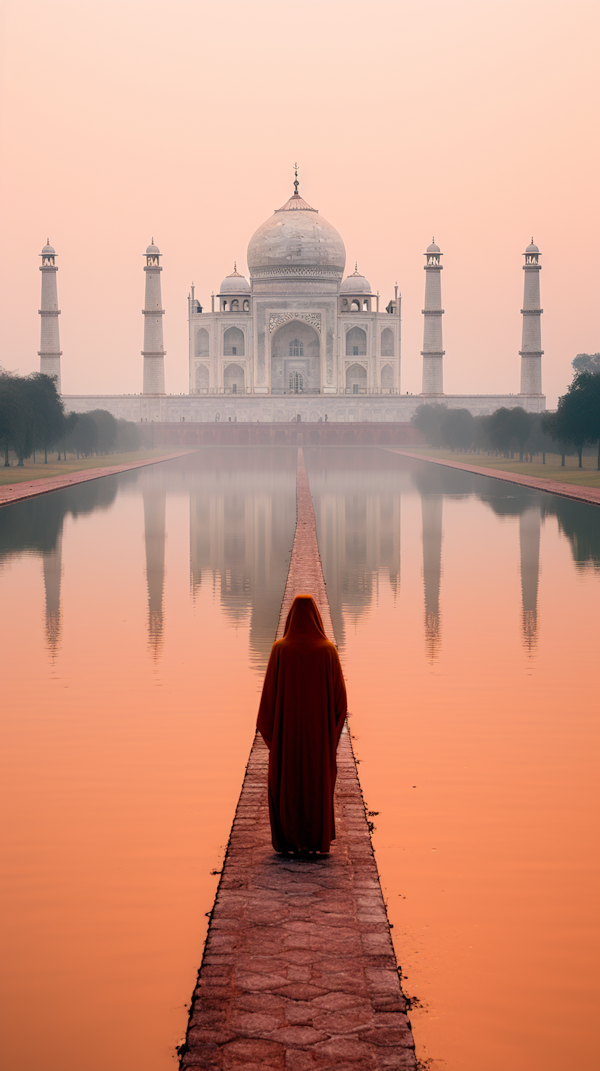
[[37, 471], [588, 476]]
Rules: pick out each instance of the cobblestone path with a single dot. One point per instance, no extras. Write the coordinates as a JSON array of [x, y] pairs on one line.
[[299, 972]]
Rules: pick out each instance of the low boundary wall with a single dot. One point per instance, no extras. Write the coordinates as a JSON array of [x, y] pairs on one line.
[[231, 433]]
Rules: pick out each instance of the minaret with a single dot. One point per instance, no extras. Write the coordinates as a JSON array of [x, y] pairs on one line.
[[531, 352], [153, 352], [432, 352], [49, 352]]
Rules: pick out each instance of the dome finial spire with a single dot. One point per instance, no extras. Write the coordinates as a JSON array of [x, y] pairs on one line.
[[296, 183]]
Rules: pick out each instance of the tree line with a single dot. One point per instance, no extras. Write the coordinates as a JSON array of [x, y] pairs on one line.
[[33, 421], [574, 425]]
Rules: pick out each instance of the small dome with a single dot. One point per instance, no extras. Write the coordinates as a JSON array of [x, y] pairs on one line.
[[433, 248], [235, 283], [532, 247], [355, 283], [48, 249], [152, 248]]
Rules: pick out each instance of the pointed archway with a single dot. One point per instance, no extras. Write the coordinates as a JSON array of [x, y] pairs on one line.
[[295, 359]]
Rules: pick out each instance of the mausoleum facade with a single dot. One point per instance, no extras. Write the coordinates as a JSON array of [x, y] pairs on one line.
[[299, 339], [296, 327]]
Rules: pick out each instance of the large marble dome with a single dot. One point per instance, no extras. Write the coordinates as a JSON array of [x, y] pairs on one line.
[[296, 242]]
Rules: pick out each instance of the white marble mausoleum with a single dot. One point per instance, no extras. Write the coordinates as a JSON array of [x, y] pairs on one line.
[[298, 340]]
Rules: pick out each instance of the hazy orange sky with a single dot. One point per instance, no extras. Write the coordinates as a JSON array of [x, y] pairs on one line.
[[475, 121]]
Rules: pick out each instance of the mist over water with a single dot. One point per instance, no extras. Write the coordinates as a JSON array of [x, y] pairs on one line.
[[142, 609]]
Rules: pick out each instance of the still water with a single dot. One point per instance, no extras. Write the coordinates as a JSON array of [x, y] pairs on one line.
[[137, 616]]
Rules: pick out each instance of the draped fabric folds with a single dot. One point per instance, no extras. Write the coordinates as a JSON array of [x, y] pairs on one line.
[[301, 714]]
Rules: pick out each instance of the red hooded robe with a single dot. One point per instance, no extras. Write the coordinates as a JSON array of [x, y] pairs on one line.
[[301, 714]]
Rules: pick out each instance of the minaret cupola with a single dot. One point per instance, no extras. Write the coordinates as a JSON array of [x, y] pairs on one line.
[[48, 256], [433, 254], [532, 253], [153, 256]]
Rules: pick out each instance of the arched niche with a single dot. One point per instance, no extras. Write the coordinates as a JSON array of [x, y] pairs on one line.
[[233, 342], [202, 346], [387, 377], [356, 342], [387, 342], [202, 377], [295, 358], [234, 379], [356, 379]]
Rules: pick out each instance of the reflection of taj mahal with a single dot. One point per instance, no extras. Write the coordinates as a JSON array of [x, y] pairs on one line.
[[297, 341]]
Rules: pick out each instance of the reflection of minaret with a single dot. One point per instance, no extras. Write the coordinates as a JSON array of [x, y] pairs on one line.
[[432, 568], [529, 539], [52, 560], [242, 521], [155, 501], [357, 504]]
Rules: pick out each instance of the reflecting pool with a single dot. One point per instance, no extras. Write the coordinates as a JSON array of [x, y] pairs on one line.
[[138, 613], [467, 614]]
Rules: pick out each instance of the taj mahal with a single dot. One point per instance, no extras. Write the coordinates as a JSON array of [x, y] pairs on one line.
[[297, 340]]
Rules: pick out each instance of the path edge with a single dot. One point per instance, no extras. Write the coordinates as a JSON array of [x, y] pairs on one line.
[[589, 495], [58, 483]]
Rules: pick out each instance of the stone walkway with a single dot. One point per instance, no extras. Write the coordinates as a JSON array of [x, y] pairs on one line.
[[16, 492], [299, 972], [554, 487]]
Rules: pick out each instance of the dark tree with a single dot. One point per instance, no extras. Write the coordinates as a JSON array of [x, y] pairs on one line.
[[48, 415], [550, 426], [481, 439], [586, 362], [457, 429], [83, 436], [500, 429], [428, 420], [31, 414], [128, 436], [22, 419], [577, 419], [107, 430], [9, 412], [522, 424], [539, 441]]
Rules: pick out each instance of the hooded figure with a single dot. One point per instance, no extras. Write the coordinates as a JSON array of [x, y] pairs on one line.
[[300, 718]]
